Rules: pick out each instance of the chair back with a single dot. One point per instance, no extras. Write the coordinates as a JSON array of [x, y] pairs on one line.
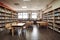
[[14, 23], [8, 26]]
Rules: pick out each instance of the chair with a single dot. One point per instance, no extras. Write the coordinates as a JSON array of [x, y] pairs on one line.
[[9, 27], [35, 22], [14, 23], [15, 29], [29, 24]]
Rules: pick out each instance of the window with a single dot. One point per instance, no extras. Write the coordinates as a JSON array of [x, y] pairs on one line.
[[22, 15], [25, 15], [34, 15], [19, 15]]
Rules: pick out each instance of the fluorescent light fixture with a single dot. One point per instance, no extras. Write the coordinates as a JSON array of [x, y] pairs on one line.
[[26, 0], [24, 6], [16, 4]]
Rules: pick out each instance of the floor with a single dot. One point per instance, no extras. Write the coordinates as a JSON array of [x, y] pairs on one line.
[[32, 34]]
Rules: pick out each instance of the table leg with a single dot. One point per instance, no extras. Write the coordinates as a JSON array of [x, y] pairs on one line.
[[12, 32]]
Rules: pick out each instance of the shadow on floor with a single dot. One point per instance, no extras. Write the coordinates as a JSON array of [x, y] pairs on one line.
[[35, 34]]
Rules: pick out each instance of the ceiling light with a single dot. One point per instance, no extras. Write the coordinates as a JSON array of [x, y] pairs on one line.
[[16, 3], [26, 0], [24, 6]]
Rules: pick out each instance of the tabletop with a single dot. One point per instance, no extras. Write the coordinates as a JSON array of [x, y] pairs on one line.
[[18, 24]]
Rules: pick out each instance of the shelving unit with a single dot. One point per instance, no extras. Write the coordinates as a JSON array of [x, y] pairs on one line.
[[7, 16], [57, 20], [45, 17], [14, 17], [2, 17], [50, 19], [53, 19]]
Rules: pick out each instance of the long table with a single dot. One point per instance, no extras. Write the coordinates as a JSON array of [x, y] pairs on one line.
[[41, 23], [17, 25]]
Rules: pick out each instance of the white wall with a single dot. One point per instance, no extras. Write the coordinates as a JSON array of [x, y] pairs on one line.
[[54, 5]]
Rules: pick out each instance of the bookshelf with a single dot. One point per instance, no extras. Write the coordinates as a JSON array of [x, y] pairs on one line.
[[50, 19], [7, 16], [53, 19], [2, 17], [57, 19], [14, 16], [45, 17]]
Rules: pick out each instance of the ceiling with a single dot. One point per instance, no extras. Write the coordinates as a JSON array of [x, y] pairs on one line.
[[31, 4]]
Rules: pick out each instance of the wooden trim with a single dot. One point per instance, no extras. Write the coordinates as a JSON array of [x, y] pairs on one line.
[[53, 10], [6, 6]]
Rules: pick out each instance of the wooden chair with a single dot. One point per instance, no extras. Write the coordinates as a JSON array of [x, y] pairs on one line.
[[10, 28], [28, 24], [14, 23]]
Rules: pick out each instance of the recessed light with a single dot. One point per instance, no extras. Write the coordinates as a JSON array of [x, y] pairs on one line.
[[26, 0], [24, 6]]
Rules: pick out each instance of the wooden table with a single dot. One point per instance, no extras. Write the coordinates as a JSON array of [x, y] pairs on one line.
[[16, 25], [41, 23]]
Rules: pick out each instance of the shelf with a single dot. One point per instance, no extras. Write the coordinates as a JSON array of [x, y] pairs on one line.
[[7, 16], [53, 19], [57, 29], [57, 21], [50, 27]]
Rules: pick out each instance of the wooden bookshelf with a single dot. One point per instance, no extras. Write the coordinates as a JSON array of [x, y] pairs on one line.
[[53, 19], [57, 19], [14, 16], [45, 17], [7, 16]]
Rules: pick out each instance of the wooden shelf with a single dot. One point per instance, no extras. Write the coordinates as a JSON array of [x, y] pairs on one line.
[[53, 19], [6, 16]]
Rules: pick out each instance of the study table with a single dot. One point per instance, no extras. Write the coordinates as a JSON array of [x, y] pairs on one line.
[[17, 25], [42, 23]]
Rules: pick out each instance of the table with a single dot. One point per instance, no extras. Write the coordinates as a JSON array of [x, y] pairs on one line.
[[16, 25], [41, 23]]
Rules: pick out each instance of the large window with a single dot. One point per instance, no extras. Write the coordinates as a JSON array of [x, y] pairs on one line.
[[22, 15], [34, 15], [26, 15]]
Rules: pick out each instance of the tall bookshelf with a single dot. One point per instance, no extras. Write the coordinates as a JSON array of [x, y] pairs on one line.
[[50, 19], [45, 17], [7, 16], [57, 19], [2, 17], [53, 19], [14, 16]]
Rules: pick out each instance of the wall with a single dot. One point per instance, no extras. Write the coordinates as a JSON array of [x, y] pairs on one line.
[[54, 5]]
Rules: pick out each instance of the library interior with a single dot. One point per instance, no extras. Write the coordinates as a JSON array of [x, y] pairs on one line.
[[29, 20]]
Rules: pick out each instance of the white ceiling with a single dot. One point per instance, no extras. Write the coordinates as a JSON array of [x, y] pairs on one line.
[[31, 5]]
